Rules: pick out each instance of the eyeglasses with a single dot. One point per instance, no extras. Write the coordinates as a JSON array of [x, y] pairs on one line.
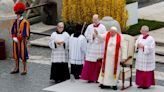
[[60, 27]]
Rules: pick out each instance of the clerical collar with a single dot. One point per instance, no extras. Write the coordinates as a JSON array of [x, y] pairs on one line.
[[96, 25], [59, 32], [144, 37]]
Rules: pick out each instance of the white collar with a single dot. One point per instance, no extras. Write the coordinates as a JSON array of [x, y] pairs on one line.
[[21, 18]]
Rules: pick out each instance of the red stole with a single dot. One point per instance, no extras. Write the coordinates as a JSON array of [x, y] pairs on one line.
[[118, 40]]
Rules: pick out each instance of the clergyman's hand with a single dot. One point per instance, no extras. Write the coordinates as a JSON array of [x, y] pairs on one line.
[[140, 46], [61, 43], [95, 31]]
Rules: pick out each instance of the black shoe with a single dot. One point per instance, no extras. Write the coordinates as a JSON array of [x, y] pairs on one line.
[[23, 73], [104, 87], [100, 85], [114, 87], [14, 72], [145, 87], [57, 81], [90, 81]]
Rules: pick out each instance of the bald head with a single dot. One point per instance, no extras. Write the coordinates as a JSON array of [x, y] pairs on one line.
[[95, 19]]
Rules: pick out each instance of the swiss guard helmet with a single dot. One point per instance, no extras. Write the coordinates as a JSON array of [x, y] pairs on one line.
[[19, 8]]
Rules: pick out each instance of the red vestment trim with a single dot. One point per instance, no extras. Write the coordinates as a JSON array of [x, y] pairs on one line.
[[118, 40]]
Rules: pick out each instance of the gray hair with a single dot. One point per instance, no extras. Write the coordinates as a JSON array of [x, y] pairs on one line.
[[145, 28]]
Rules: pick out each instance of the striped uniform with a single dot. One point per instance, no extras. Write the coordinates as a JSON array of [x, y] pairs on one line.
[[21, 30]]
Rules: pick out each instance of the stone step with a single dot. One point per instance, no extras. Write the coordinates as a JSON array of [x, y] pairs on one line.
[[41, 42], [41, 28], [159, 50], [31, 15], [156, 13], [34, 20], [159, 59]]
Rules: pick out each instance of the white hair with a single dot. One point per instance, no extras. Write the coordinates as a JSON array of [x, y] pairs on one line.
[[145, 28], [113, 28]]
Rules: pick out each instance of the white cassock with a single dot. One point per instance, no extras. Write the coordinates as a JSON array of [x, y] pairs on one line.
[[59, 53], [95, 47], [77, 49], [145, 59], [108, 79]]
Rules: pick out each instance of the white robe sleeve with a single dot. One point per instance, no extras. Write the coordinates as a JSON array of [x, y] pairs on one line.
[[83, 45], [52, 41], [149, 47], [137, 42], [123, 48], [66, 41], [102, 36], [70, 42], [88, 35]]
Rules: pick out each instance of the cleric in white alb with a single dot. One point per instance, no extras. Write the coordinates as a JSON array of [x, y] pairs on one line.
[[145, 60], [95, 50], [77, 51], [59, 56]]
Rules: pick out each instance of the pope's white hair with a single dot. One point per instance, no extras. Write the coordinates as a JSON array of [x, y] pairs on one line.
[[113, 28]]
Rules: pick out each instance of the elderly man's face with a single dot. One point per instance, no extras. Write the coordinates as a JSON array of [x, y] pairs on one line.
[[113, 32], [144, 32], [95, 20]]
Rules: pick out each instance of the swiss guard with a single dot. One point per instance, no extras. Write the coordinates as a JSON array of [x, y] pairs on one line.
[[20, 33]]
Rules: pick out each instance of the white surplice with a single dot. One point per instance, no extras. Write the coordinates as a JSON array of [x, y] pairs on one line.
[[77, 49], [59, 53], [108, 78], [95, 47], [145, 59]]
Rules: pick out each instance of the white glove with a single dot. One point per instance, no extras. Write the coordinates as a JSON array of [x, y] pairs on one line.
[[15, 39]]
